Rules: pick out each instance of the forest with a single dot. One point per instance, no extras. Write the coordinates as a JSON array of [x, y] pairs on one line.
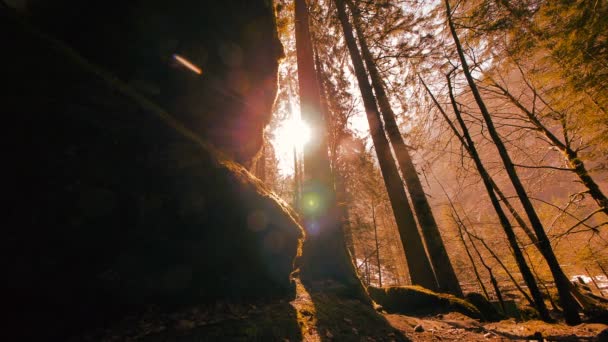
[[317, 170], [495, 114]]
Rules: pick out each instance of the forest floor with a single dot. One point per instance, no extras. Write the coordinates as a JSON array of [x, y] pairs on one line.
[[327, 316], [458, 327]]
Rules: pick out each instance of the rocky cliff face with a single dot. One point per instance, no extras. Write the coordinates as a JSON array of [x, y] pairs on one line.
[[234, 45], [114, 203]]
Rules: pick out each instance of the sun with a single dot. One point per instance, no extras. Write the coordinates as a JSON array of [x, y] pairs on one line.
[[290, 136], [293, 133]]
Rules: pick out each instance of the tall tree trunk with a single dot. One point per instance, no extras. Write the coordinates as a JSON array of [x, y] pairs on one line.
[[469, 145], [522, 224], [562, 283], [324, 254], [297, 180], [377, 245], [337, 178], [341, 198], [421, 272], [540, 280], [446, 277]]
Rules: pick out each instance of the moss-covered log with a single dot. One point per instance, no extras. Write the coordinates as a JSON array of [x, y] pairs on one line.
[[416, 300]]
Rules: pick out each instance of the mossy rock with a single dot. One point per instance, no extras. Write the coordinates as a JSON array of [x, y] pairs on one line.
[[416, 300], [528, 313], [487, 310]]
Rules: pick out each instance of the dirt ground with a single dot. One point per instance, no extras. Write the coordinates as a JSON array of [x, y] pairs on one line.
[[455, 326], [326, 316]]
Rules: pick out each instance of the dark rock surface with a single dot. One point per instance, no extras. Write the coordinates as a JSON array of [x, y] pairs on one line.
[[115, 205], [233, 42]]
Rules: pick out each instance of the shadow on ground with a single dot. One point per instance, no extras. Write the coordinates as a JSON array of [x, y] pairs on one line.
[[321, 314], [222, 322], [325, 313]]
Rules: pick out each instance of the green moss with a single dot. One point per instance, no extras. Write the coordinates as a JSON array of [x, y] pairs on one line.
[[487, 310], [416, 300], [528, 313]]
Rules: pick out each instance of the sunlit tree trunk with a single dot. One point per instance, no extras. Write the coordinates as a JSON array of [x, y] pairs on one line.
[[297, 179], [540, 281], [337, 179], [421, 272], [324, 253], [520, 221], [562, 283], [444, 272]]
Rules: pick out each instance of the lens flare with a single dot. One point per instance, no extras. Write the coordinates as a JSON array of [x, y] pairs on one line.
[[293, 133], [187, 64], [312, 203]]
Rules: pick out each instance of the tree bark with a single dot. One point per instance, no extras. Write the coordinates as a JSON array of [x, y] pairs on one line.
[[444, 271], [341, 198], [562, 283], [522, 224], [421, 272], [297, 180]]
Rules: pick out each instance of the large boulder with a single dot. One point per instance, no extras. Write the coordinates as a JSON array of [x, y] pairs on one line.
[[114, 204], [233, 43]]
